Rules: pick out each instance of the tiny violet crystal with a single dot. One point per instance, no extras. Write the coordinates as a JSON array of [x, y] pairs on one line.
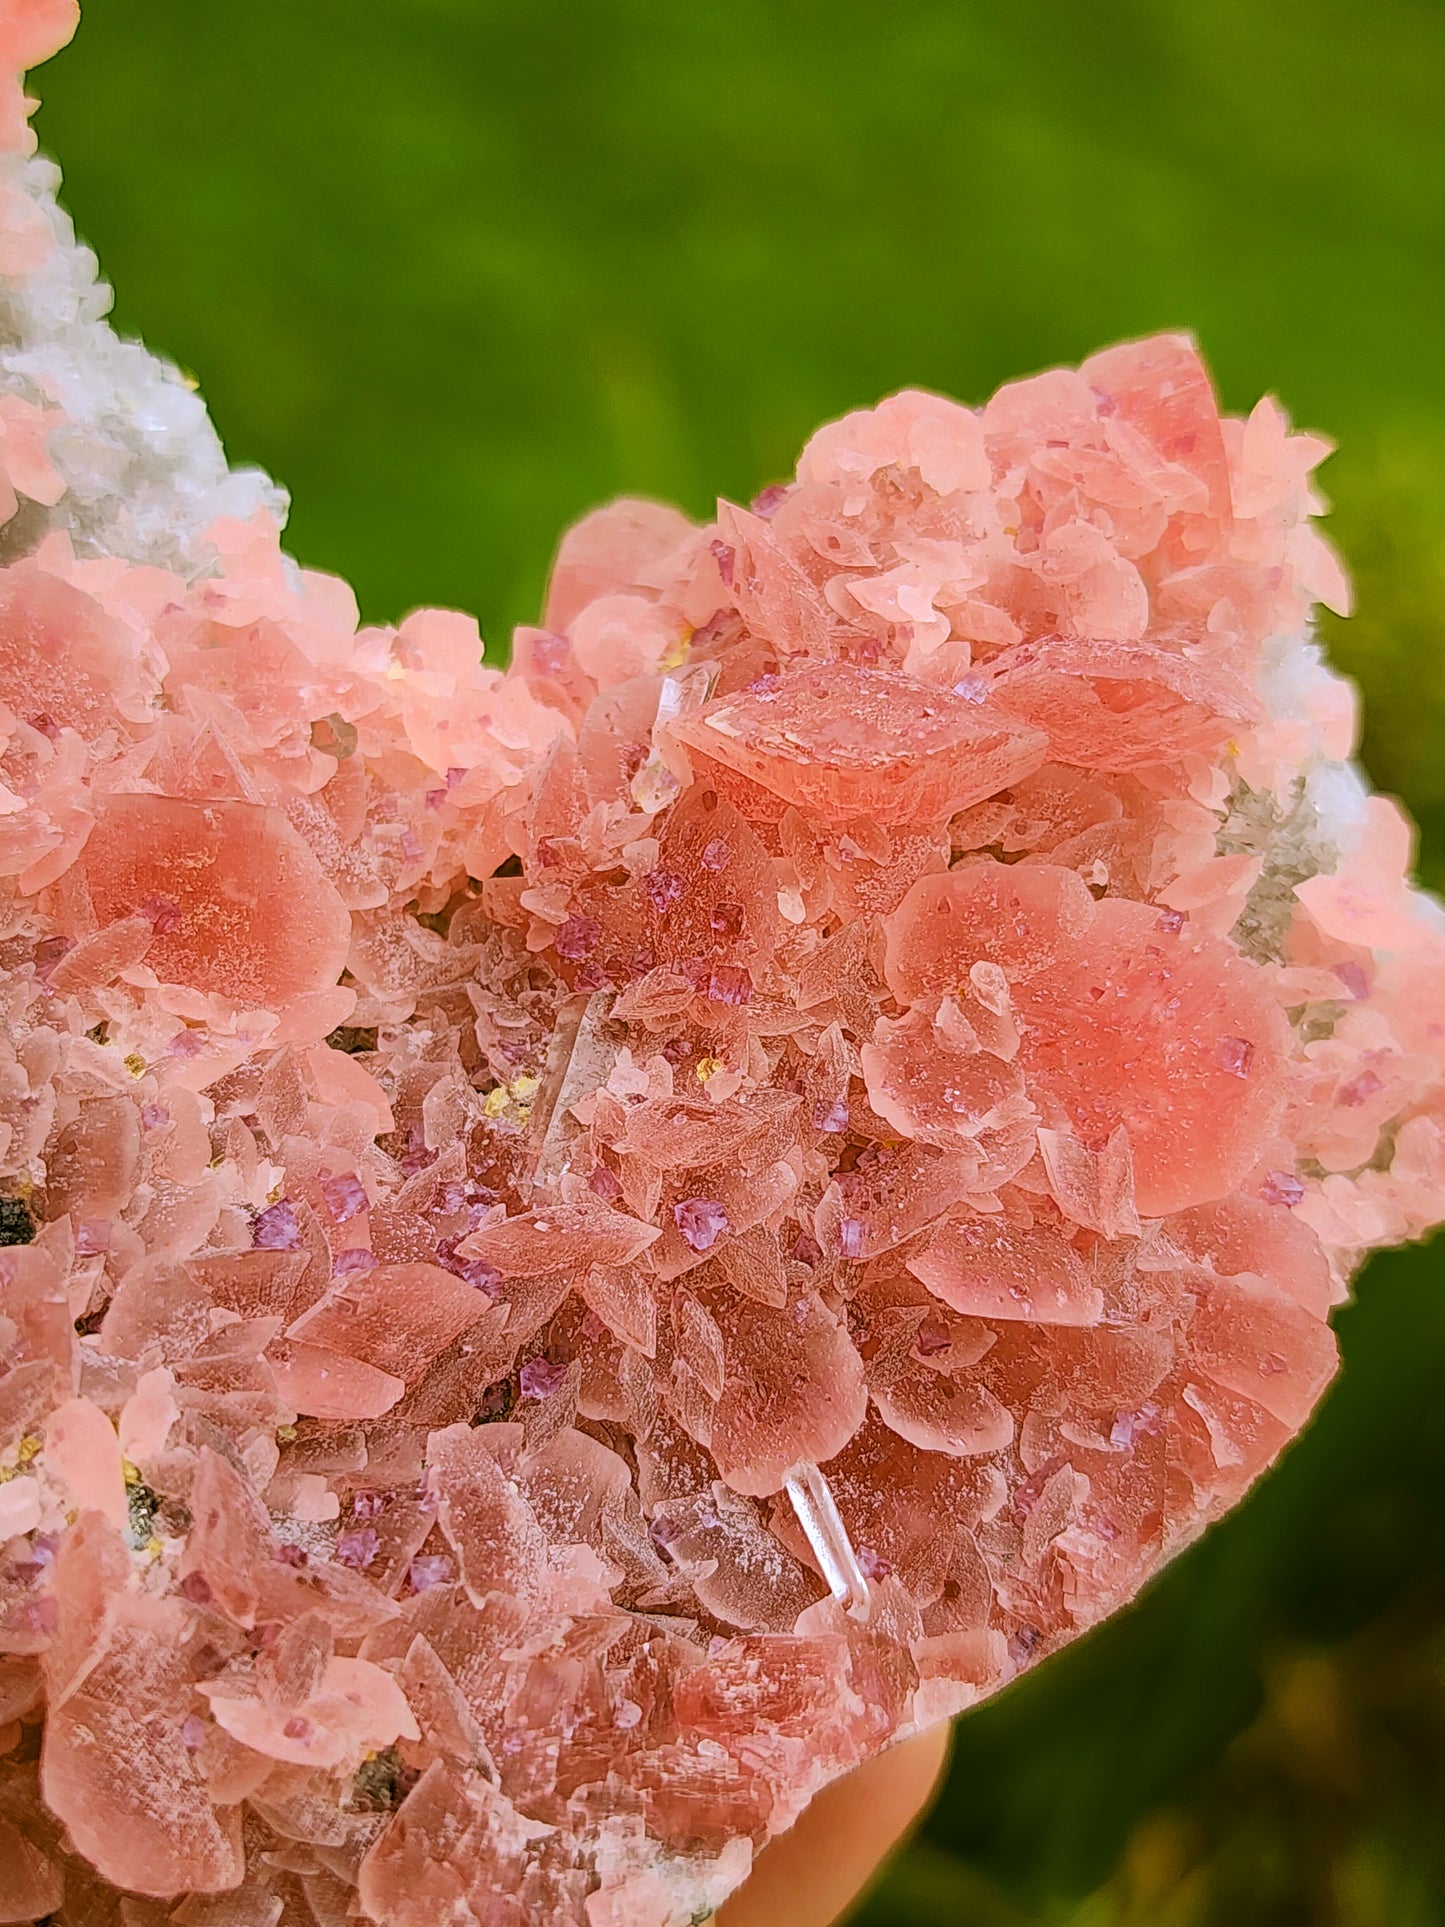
[[541, 1377], [276, 1228], [702, 1221], [584, 1247], [345, 1197]]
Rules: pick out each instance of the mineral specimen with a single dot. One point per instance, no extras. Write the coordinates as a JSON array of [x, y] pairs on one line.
[[581, 1248]]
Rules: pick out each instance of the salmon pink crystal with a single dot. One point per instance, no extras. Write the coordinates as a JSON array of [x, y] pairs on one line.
[[587, 1246]]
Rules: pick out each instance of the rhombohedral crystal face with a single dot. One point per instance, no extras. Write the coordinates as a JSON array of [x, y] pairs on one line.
[[586, 1246]]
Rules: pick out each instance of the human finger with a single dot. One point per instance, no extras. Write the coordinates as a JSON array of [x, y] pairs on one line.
[[810, 1875]]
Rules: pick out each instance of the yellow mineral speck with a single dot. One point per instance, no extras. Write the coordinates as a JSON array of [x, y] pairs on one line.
[[677, 653], [135, 1064], [285, 1434], [525, 1087], [28, 1448], [130, 1473], [709, 1067], [495, 1102], [155, 1547]]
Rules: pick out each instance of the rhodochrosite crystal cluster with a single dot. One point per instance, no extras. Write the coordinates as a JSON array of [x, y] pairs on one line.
[[586, 1246]]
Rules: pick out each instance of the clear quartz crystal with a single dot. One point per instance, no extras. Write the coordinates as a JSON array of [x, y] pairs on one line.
[[580, 1058], [683, 691], [817, 1512]]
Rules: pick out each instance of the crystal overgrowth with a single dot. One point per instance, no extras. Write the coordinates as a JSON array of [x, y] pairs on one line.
[[585, 1247]]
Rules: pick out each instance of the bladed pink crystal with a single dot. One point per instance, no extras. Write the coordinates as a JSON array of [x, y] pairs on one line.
[[586, 1246]]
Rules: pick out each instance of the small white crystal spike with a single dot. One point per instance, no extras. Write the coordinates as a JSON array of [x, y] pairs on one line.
[[683, 690], [579, 1059], [817, 1512]]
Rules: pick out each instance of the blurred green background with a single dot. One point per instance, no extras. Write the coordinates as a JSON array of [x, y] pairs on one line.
[[455, 270]]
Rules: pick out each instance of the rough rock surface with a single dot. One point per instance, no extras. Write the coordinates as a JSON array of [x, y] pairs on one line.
[[584, 1247]]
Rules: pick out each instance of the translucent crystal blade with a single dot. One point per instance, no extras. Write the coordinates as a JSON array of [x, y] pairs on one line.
[[818, 1515], [579, 1059], [683, 690]]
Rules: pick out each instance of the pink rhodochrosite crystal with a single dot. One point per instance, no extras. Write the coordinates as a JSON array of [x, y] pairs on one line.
[[586, 1246]]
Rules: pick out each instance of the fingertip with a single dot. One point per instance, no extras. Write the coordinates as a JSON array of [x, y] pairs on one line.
[[812, 1874]]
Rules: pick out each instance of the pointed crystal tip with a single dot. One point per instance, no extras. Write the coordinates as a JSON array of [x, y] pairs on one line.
[[817, 1510]]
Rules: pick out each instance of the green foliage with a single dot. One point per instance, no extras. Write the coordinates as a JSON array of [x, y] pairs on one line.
[[1390, 521], [455, 270]]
